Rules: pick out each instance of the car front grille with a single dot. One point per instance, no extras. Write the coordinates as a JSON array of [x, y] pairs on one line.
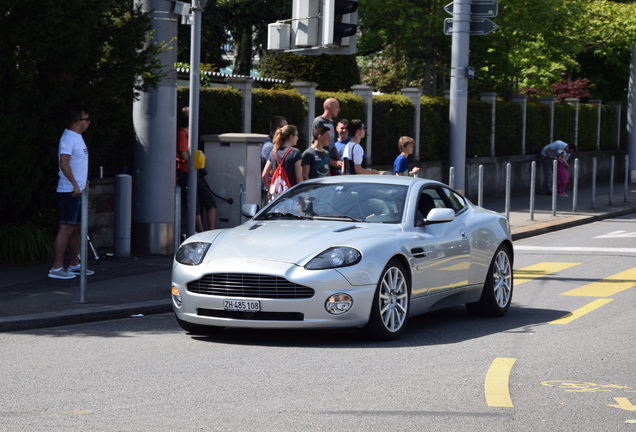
[[249, 285]]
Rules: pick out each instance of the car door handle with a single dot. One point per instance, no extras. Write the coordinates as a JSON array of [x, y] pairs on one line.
[[418, 252]]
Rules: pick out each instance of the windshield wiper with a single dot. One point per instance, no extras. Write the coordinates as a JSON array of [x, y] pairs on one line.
[[337, 217], [275, 215]]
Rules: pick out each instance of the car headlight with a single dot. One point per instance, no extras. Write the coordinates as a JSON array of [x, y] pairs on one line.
[[192, 253], [339, 256]]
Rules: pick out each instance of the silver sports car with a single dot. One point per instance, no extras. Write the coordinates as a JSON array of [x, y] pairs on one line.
[[347, 251]]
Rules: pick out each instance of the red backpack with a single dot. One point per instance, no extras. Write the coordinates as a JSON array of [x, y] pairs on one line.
[[280, 181]]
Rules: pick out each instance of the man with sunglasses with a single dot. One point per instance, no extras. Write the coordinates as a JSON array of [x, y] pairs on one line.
[[73, 179]]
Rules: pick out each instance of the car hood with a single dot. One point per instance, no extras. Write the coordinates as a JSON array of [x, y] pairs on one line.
[[291, 241]]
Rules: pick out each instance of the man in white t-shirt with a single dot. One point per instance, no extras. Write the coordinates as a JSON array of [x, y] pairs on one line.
[[353, 153], [73, 173]]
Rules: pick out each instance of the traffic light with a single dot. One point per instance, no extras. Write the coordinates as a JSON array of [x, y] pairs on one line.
[[305, 23], [339, 20]]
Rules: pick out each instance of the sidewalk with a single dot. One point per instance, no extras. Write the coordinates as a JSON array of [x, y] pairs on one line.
[[141, 285]]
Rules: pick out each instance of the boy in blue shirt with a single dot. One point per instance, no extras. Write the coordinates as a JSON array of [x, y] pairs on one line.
[[401, 164]]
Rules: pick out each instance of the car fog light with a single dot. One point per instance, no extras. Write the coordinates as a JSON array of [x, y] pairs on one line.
[[339, 303], [176, 296]]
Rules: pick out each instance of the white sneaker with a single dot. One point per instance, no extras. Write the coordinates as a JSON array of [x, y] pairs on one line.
[[78, 270], [61, 274]]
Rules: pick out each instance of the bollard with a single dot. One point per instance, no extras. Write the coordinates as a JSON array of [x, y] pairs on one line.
[[533, 177], [242, 194], [508, 178], [575, 188], [555, 167], [123, 216], [83, 245], [177, 218], [451, 177], [593, 182], [611, 188], [625, 187], [480, 197]]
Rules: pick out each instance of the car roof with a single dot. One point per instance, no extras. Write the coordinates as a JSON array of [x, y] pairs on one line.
[[378, 179]]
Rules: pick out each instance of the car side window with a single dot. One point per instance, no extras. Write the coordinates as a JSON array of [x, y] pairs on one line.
[[428, 200], [454, 200]]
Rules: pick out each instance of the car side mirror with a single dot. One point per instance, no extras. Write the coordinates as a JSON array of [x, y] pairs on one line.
[[436, 215], [249, 210]]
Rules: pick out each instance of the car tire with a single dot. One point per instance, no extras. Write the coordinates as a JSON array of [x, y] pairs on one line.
[[497, 293], [198, 329], [391, 304]]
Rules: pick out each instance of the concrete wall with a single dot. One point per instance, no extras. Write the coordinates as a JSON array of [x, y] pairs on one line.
[[102, 194]]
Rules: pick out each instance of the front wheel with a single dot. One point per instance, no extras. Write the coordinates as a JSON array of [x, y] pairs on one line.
[[497, 293], [391, 304]]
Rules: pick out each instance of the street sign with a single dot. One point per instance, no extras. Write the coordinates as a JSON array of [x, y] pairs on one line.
[[478, 26], [479, 8]]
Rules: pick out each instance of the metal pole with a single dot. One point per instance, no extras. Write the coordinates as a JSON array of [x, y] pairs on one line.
[[625, 188], [480, 197], [554, 186], [459, 88], [575, 189], [83, 245], [177, 218], [533, 177], [611, 188], [593, 182], [193, 125], [451, 177], [508, 178], [154, 149]]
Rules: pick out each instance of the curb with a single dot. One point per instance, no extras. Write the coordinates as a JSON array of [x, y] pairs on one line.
[[542, 228], [79, 316]]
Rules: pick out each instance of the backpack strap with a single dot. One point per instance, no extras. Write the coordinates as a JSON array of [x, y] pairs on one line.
[[284, 156]]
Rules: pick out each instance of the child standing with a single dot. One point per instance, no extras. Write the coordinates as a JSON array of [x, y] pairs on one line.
[[563, 174], [401, 164]]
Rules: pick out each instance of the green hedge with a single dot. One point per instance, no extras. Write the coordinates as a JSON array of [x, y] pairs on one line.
[[434, 128], [287, 103], [351, 105], [478, 128], [393, 117], [219, 109], [508, 127]]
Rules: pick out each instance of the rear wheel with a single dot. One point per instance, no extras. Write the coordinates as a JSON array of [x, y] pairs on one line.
[[198, 329], [391, 303], [497, 293]]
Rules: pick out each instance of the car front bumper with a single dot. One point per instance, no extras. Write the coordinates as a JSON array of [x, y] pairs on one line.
[[206, 309]]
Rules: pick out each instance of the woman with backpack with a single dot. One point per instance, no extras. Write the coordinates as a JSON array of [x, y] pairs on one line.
[[288, 157]]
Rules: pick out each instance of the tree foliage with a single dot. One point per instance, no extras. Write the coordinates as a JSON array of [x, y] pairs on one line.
[[332, 72], [94, 52], [537, 43]]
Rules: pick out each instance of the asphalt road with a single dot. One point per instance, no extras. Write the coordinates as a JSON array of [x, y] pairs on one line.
[[561, 360]]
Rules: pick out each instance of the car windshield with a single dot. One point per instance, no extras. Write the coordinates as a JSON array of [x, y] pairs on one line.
[[358, 202]]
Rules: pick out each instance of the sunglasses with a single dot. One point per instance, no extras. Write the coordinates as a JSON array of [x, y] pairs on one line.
[[88, 119]]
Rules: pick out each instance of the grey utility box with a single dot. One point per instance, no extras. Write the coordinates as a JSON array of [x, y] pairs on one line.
[[232, 160]]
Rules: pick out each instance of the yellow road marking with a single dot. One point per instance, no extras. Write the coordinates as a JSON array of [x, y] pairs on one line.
[[535, 271], [496, 384], [623, 403], [606, 287], [581, 311]]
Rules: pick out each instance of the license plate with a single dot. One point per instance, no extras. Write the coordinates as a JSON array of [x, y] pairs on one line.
[[242, 305]]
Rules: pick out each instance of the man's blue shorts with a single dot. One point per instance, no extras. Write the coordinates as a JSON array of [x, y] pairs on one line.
[[70, 208]]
